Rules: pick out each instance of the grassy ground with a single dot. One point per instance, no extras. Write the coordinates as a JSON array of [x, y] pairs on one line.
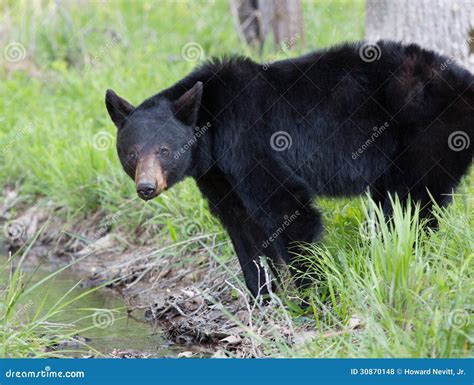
[[412, 291]]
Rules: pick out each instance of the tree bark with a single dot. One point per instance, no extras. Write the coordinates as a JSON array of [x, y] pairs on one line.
[[247, 21], [287, 22], [254, 19], [445, 26]]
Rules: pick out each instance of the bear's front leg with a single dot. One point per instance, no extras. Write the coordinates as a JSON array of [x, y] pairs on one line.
[[282, 204], [246, 235]]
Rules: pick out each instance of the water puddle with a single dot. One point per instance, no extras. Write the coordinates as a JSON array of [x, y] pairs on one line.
[[111, 329]]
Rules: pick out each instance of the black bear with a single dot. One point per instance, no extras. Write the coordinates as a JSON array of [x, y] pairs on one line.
[[262, 141]]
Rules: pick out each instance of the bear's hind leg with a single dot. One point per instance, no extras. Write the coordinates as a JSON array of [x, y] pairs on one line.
[[429, 180]]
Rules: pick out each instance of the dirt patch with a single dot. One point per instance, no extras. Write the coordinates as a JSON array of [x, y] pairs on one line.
[[200, 302]]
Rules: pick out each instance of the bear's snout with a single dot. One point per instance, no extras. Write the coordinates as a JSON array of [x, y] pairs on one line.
[[146, 190], [150, 179]]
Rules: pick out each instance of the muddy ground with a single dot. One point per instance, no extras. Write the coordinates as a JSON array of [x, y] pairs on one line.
[[199, 304]]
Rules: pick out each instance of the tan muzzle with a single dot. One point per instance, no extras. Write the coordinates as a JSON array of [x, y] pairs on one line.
[[149, 178]]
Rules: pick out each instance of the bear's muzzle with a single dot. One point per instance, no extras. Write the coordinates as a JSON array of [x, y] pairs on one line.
[[150, 180]]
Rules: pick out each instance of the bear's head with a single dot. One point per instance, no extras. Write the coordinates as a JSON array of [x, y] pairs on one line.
[[152, 136]]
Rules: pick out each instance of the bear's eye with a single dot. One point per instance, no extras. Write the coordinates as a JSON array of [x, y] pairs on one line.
[[164, 152], [132, 155]]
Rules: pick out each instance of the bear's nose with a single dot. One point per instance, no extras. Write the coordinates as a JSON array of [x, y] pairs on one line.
[[146, 190]]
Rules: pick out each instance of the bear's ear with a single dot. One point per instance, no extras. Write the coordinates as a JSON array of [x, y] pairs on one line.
[[118, 108], [187, 106]]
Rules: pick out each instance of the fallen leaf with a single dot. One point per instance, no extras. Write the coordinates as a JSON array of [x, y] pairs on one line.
[[354, 322], [232, 340]]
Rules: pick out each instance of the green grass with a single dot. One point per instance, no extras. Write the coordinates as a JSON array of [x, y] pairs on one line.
[[411, 288], [404, 284]]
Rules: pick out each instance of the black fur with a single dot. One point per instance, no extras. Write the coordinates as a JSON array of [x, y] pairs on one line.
[[353, 124]]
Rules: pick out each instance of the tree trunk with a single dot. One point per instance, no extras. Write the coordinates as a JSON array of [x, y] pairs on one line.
[[255, 18], [247, 21], [442, 25], [287, 21]]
